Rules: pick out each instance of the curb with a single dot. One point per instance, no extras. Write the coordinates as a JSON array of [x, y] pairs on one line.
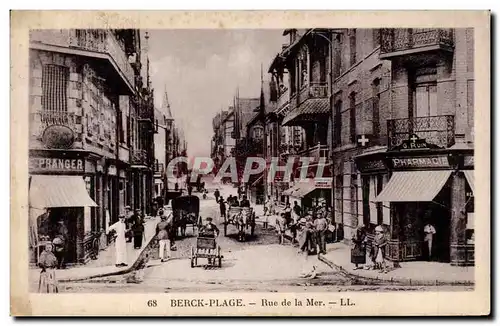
[[392, 280], [132, 268]]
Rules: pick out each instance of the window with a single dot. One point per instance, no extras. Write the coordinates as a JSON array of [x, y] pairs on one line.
[[338, 124], [352, 117], [425, 100], [121, 131], [376, 108], [424, 93], [352, 47], [54, 88], [376, 37], [337, 58]]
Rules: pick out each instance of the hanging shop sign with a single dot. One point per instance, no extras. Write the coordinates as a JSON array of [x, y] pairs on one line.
[[414, 142], [323, 183]]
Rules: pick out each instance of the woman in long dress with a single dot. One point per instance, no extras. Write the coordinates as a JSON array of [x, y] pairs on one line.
[[358, 251], [379, 244], [120, 241], [48, 263]]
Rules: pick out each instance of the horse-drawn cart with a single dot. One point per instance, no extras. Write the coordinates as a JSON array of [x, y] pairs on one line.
[[241, 217], [186, 211]]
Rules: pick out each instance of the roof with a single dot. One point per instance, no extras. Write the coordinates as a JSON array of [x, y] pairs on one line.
[[307, 111]]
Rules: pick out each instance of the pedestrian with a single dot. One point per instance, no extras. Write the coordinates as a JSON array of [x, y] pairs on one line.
[[129, 217], [163, 236], [245, 202], [60, 243], [138, 232], [120, 242], [222, 207], [210, 229], [309, 266], [288, 213], [47, 262], [217, 195], [429, 232], [358, 251], [280, 227], [160, 202], [380, 243], [190, 190], [311, 234], [321, 226]]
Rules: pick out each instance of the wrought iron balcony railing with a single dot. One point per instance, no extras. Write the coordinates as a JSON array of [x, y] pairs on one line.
[[436, 130], [313, 90], [94, 40], [394, 40], [315, 152], [43, 119], [139, 157], [159, 168]]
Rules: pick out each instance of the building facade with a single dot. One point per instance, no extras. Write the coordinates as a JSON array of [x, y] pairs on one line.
[[83, 98]]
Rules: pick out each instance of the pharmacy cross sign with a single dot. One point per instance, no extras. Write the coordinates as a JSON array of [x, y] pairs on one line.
[[363, 140], [414, 138]]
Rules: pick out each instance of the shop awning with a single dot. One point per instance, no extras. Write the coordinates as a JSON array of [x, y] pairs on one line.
[[299, 190], [415, 186], [469, 175], [59, 191]]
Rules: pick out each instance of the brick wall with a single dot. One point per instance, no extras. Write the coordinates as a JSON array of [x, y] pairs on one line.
[[37, 60], [79, 103]]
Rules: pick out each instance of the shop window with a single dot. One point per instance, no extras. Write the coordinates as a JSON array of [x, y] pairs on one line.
[[54, 88]]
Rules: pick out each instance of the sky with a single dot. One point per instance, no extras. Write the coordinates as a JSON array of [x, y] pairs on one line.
[[201, 70]]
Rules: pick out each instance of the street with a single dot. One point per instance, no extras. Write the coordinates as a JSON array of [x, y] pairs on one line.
[[258, 264]]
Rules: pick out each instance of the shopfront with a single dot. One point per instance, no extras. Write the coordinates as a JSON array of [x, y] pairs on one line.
[[425, 186], [60, 188], [310, 193]]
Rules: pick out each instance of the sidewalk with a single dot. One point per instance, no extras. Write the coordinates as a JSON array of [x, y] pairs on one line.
[[411, 273], [105, 264]]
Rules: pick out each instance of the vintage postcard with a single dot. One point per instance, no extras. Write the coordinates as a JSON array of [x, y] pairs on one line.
[[250, 163]]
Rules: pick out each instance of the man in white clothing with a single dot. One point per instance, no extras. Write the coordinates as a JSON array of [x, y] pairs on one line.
[[120, 241], [429, 231]]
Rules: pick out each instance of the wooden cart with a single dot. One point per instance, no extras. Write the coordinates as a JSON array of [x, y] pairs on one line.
[[241, 217], [206, 247]]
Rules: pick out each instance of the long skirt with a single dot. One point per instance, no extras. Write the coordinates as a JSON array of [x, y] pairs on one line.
[[48, 281], [138, 241], [358, 255]]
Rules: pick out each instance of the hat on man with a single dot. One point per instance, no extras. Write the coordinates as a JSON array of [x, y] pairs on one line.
[[379, 229], [128, 208], [209, 219]]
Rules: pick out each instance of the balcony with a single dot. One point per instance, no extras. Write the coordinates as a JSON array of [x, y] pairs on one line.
[[159, 168], [316, 152], [404, 41], [436, 130], [96, 43], [309, 104], [139, 157], [43, 119], [283, 101]]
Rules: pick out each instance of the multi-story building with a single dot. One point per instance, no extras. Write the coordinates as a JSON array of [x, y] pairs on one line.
[[304, 104], [424, 171], [83, 87]]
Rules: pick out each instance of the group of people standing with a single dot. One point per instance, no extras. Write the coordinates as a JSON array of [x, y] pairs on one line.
[[370, 251], [231, 201]]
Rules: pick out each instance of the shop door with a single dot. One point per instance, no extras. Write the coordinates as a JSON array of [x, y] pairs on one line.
[[70, 217], [441, 218]]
